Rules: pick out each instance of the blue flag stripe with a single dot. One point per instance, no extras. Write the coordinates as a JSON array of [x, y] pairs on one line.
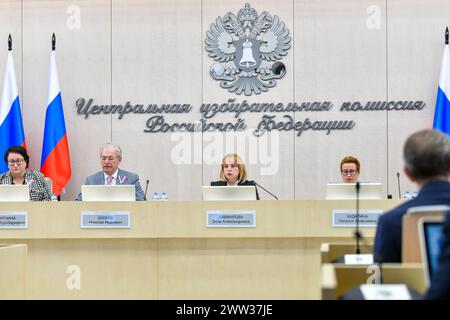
[[11, 132], [442, 113], [55, 127]]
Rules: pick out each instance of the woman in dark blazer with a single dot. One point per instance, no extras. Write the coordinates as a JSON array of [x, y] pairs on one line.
[[233, 173]]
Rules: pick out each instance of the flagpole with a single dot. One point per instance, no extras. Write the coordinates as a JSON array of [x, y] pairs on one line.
[[53, 49], [9, 43], [55, 159]]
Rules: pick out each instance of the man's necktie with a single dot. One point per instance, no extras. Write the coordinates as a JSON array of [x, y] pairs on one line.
[[109, 180]]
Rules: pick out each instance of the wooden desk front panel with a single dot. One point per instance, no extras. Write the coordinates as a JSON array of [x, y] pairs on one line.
[[13, 271], [168, 253]]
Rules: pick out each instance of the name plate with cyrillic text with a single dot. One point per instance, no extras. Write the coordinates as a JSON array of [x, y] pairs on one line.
[[13, 220], [385, 292], [230, 219], [363, 259], [105, 219], [347, 218]]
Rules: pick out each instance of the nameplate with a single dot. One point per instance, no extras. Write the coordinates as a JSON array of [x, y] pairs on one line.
[[385, 292], [358, 259], [347, 218], [105, 219], [13, 220], [231, 219]]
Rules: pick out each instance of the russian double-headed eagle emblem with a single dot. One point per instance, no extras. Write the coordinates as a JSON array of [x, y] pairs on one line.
[[246, 49]]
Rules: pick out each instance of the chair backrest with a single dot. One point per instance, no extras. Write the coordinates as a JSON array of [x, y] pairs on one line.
[[338, 279], [410, 230]]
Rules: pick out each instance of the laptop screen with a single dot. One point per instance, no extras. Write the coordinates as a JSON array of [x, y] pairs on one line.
[[16, 192], [224, 193], [108, 193], [347, 191], [433, 232]]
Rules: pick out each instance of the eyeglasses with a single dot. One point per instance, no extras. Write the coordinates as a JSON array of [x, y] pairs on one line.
[[14, 162], [108, 158], [350, 172], [225, 166]]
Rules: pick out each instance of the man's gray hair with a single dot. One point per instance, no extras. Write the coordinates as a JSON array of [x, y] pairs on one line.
[[112, 145], [427, 154]]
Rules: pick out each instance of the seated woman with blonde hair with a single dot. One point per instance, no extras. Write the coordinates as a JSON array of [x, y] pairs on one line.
[[233, 173]]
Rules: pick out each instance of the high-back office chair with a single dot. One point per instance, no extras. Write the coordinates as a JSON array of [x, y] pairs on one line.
[[410, 230], [338, 279]]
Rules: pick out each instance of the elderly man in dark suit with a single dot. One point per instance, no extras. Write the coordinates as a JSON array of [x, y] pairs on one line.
[[427, 161], [111, 157]]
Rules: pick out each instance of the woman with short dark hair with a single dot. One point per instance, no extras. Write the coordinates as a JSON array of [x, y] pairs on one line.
[[17, 159]]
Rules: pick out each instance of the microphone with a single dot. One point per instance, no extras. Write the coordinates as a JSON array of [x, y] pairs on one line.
[[398, 183], [357, 233], [358, 258], [146, 188], [258, 185]]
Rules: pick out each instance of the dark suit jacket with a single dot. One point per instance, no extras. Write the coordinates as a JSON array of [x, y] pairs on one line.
[[242, 183], [388, 239], [440, 283]]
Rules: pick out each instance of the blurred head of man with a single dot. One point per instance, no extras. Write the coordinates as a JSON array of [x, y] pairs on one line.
[[110, 158], [427, 156]]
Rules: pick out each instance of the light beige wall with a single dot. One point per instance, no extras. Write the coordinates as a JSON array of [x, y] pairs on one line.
[[153, 52], [415, 40], [11, 23], [154, 62], [339, 58]]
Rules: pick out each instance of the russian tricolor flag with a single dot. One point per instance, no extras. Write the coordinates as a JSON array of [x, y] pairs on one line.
[[55, 161], [11, 125], [442, 111]]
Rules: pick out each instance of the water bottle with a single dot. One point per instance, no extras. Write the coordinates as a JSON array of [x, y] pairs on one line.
[[406, 195], [155, 196], [54, 198], [164, 196]]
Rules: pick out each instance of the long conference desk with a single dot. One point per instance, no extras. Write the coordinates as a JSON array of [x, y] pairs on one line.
[[169, 253]]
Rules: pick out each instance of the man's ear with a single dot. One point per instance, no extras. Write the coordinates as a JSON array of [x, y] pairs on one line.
[[409, 175]]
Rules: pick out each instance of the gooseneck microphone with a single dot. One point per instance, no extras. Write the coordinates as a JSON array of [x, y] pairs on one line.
[[357, 233], [146, 188], [258, 185], [398, 184]]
